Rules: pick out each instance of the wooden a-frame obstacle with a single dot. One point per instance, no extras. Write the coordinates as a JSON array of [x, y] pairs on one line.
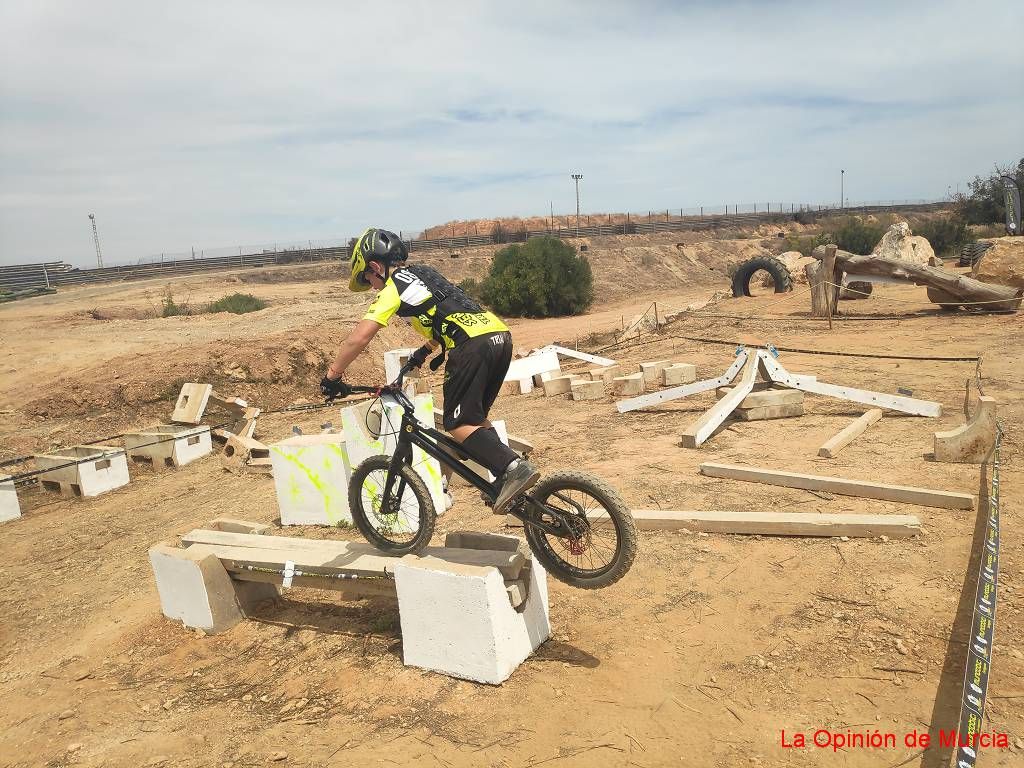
[[763, 361]]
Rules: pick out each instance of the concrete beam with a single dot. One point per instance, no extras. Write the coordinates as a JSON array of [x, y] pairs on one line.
[[850, 433], [10, 509]]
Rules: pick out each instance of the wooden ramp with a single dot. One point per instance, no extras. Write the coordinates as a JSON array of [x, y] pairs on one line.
[[352, 567]]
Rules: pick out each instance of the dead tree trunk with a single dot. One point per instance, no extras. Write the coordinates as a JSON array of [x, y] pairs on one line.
[[947, 289], [821, 276]]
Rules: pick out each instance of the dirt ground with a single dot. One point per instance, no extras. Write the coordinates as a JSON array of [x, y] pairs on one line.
[[704, 654]]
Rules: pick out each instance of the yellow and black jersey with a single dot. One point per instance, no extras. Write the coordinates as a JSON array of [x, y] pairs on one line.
[[423, 295]]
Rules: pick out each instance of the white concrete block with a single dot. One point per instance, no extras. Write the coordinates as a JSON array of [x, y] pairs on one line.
[[457, 620], [394, 360], [10, 509], [100, 468], [168, 444], [194, 588], [371, 429], [530, 365], [525, 386], [679, 373], [311, 474]]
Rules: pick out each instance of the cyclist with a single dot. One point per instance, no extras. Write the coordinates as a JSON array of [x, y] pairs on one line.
[[476, 344]]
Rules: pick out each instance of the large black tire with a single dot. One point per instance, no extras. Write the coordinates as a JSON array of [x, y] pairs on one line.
[[379, 523], [771, 265], [548, 549], [970, 253]]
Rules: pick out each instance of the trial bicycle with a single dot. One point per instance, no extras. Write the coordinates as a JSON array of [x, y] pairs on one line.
[[577, 525]]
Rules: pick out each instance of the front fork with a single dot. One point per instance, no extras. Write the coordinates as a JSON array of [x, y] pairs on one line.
[[395, 482]]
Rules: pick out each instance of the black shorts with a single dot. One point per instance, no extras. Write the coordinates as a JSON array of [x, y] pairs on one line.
[[473, 375]]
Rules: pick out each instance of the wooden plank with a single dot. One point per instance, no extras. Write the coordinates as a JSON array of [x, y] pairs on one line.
[[849, 434], [843, 486], [773, 523], [875, 399], [764, 412], [350, 557], [766, 397], [665, 395], [701, 429]]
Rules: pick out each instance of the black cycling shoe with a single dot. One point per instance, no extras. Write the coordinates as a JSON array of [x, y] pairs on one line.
[[519, 477]]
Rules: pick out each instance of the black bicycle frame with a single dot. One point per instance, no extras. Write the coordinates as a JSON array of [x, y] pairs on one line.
[[429, 440]]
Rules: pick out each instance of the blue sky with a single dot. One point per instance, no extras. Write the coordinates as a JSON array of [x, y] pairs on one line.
[[238, 123]]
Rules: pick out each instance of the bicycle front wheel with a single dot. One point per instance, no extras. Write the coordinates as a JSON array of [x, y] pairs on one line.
[[604, 543], [399, 523]]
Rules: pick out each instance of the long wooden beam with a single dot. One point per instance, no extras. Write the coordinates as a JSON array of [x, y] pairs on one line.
[[701, 429], [852, 431], [772, 523], [665, 395], [909, 405], [843, 486]]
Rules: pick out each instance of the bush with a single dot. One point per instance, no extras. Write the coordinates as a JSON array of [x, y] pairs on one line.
[[986, 202], [170, 308], [540, 278], [946, 236], [238, 304], [807, 244], [472, 287], [855, 236]]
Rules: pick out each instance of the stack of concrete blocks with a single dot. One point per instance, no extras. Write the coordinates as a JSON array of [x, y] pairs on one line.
[[10, 509], [311, 474], [371, 429], [678, 373], [633, 384], [196, 590], [561, 385], [96, 469], [587, 390], [168, 445], [457, 619], [605, 374], [652, 372], [767, 404]]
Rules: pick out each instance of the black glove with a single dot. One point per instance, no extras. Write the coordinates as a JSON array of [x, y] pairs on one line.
[[334, 388], [419, 357]]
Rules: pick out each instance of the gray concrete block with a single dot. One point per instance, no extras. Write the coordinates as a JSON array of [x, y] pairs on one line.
[[10, 509], [588, 390], [194, 588], [679, 373]]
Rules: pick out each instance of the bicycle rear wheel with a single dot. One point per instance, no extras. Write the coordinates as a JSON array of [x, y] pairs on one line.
[[400, 524], [605, 543]]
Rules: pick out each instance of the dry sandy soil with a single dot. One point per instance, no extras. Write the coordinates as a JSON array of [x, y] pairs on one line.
[[702, 655]]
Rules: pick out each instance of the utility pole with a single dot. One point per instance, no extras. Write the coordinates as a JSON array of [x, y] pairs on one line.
[[577, 177], [842, 180], [96, 241]]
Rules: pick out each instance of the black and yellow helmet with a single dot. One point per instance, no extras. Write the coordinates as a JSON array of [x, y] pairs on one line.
[[374, 245]]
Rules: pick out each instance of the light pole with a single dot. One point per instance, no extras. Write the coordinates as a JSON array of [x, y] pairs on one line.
[[577, 177], [842, 180]]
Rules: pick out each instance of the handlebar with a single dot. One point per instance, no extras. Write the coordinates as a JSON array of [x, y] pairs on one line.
[[395, 387]]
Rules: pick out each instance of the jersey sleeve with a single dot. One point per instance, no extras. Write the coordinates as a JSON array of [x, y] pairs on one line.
[[385, 305]]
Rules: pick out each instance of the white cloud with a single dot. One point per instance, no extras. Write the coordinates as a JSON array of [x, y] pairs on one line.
[[233, 123]]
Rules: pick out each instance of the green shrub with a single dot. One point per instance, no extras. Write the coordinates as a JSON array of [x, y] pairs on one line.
[[170, 308], [543, 277], [946, 236], [238, 304], [808, 243], [472, 287], [855, 236]]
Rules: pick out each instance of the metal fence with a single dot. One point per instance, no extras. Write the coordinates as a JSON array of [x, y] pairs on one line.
[[56, 274]]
